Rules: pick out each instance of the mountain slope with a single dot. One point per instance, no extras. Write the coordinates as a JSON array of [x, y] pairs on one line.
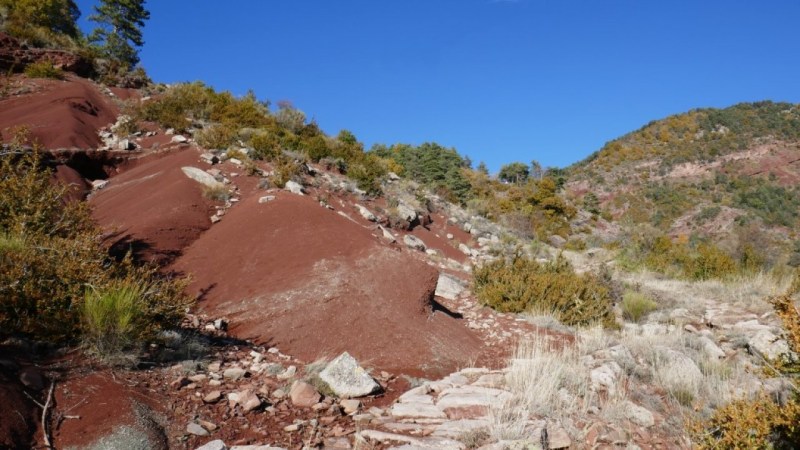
[[728, 175]]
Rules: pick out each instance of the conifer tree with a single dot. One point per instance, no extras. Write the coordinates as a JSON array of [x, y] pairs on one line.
[[120, 29]]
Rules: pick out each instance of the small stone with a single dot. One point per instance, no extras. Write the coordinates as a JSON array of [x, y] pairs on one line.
[[347, 379], [638, 415], [365, 213], [266, 199], [294, 188], [303, 394], [196, 429], [178, 139], [288, 373], [213, 445], [234, 373], [198, 377], [350, 407], [414, 242], [278, 394], [210, 426], [99, 184], [291, 428], [248, 400], [179, 383], [212, 397]]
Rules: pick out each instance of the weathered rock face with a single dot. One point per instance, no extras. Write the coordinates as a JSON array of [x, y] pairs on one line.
[[14, 55], [449, 287]]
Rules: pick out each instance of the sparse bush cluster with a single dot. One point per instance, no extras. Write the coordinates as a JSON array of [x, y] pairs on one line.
[[224, 120], [520, 285], [57, 282], [680, 258]]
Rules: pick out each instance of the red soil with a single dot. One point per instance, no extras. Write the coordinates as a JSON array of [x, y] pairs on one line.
[[295, 275], [103, 405], [62, 114], [153, 208]]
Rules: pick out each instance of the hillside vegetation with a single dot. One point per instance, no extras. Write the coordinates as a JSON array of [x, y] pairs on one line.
[[725, 179]]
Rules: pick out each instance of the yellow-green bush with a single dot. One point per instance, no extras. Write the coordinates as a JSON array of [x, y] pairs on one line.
[[218, 136], [196, 101], [284, 170], [520, 285], [265, 144], [50, 253], [760, 423], [710, 262], [646, 248], [44, 69]]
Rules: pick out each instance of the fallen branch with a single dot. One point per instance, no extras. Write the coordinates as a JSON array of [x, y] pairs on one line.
[[44, 414], [45, 409]]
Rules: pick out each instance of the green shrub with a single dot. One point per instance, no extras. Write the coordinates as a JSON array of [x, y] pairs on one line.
[[521, 285], [44, 69], [50, 252], [636, 305]]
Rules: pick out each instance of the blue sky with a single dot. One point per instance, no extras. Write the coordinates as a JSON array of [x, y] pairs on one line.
[[499, 80]]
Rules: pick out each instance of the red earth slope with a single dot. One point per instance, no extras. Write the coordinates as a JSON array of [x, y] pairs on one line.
[[298, 276], [59, 114]]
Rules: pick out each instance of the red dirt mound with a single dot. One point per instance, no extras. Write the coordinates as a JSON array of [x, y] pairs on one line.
[[298, 276], [153, 208], [63, 114], [111, 415]]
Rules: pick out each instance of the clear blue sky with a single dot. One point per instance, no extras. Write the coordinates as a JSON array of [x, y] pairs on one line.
[[500, 80]]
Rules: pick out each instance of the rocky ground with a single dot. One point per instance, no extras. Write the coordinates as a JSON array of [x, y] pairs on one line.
[[328, 319]]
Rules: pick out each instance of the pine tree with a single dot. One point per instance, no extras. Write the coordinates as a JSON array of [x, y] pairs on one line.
[[120, 29]]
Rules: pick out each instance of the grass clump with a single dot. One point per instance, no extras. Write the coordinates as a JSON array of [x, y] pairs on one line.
[[217, 193], [44, 69], [637, 305], [521, 284], [112, 317]]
